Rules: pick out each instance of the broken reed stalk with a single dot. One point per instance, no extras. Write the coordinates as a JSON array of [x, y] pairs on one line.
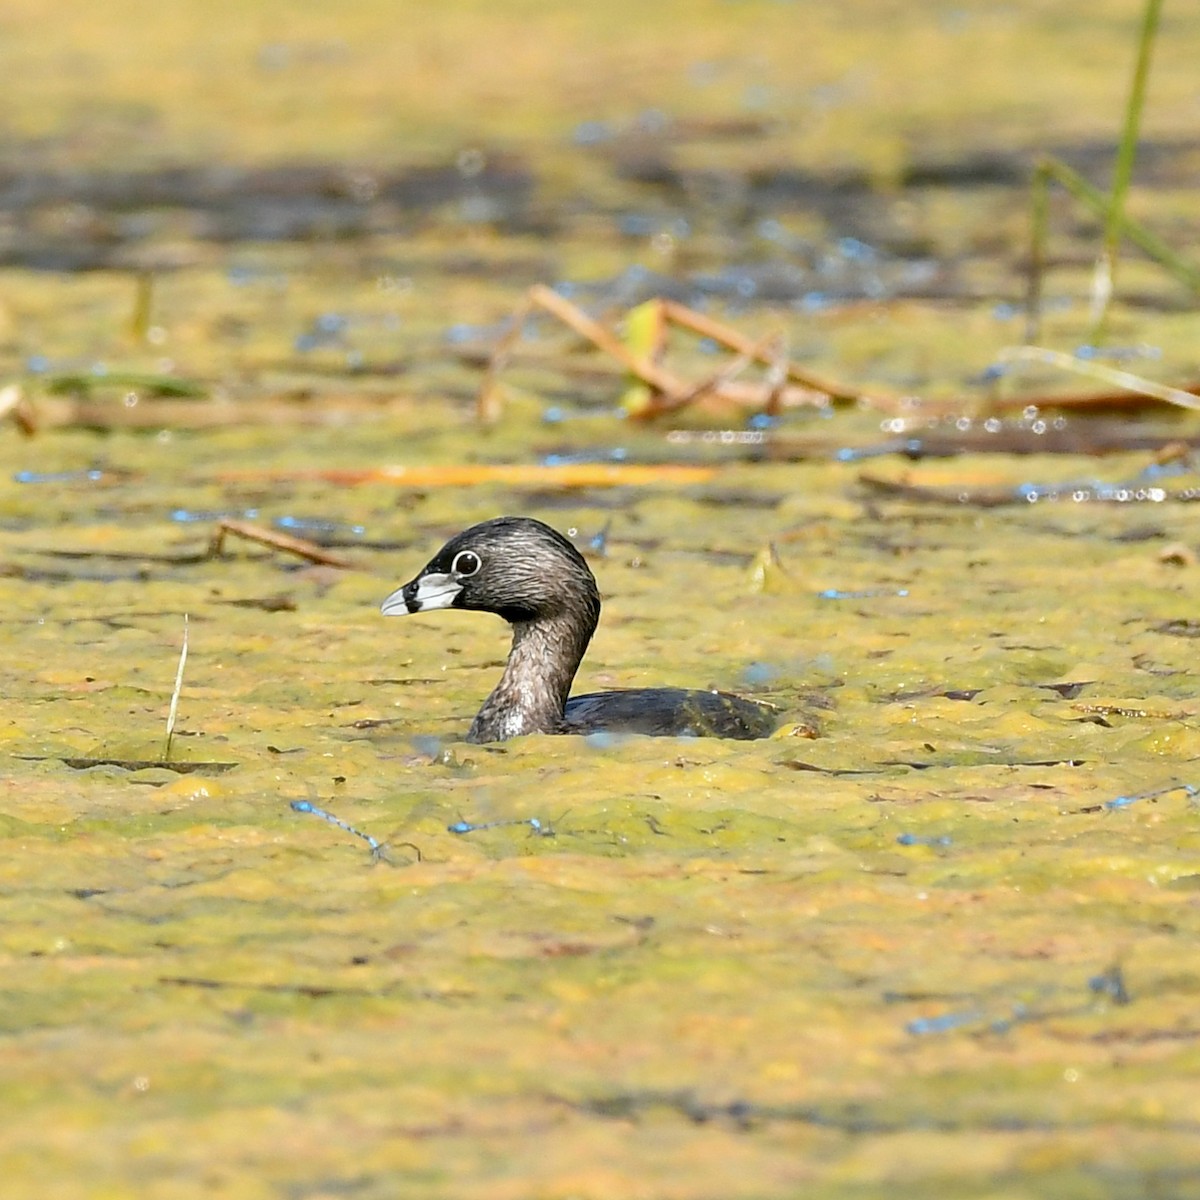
[[660, 381], [174, 709], [775, 381], [575, 319], [667, 391], [277, 541], [731, 339], [756, 352], [1121, 379]]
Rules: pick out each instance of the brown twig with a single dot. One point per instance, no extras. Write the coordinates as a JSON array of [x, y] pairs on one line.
[[725, 335], [1137, 384], [668, 392], [775, 383], [487, 404], [574, 318], [717, 380], [277, 541]]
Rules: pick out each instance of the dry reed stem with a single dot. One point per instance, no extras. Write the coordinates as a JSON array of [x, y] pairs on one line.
[[1122, 379], [670, 393], [575, 319], [732, 339], [276, 541], [715, 382]]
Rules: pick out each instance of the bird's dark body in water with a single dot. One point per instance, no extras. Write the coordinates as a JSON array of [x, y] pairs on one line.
[[533, 577]]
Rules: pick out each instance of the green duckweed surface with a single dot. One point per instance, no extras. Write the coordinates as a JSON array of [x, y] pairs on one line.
[[937, 936], [206, 990]]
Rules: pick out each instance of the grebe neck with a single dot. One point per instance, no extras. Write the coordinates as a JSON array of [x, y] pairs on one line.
[[537, 678]]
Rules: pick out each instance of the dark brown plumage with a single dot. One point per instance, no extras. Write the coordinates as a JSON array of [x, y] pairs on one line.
[[535, 579]]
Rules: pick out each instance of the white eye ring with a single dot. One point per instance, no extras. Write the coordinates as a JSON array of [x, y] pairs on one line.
[[466, 563]]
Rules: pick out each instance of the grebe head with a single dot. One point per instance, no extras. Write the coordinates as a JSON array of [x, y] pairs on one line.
[[516, 567]]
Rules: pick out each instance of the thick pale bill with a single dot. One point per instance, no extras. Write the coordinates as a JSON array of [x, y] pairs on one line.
[[422, 594]]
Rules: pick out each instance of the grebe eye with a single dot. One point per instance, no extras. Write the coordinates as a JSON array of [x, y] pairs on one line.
[[466, 562]]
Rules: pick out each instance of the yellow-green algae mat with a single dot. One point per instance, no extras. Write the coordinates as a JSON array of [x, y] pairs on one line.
[[908, 944]]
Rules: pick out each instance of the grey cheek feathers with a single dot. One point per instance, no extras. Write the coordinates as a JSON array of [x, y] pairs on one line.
[[423, 594]]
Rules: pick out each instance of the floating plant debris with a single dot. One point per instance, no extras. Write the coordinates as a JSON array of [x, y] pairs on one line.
[[658, 390], [276, 541]]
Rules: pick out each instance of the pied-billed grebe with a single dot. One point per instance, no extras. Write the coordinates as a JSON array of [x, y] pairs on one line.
[[530, 575]]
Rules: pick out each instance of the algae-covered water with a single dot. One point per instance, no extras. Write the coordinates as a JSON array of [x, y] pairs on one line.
[[937, 936]]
